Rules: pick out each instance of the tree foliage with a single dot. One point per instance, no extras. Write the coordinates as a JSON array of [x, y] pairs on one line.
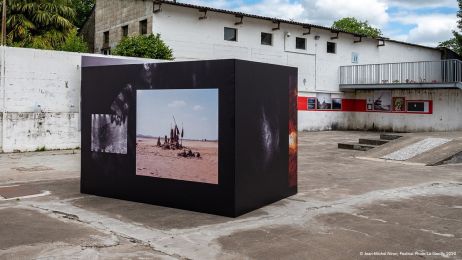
[[83, 10], [353, 25], [43, 24], [73, 43], [455, 44], [144, 46]]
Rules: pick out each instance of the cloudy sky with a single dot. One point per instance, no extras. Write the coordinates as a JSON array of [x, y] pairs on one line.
[[426, 22], [194, 109]]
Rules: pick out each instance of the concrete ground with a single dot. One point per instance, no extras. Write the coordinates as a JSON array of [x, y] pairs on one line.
[[347, 208]]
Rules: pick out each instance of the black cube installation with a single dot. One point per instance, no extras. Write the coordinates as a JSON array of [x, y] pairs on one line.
[[218, 137]]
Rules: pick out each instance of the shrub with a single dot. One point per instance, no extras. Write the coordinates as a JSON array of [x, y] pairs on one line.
[[73, 43], [144, 46]]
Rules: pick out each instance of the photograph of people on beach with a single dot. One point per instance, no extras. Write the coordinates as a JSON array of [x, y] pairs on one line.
[[177, 134]]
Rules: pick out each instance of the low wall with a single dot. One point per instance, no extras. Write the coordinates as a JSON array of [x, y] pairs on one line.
[[444, 114], [40, 99], [321, 121]]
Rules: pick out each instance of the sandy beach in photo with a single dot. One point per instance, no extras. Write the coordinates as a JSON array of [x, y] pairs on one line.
[[154, 161]]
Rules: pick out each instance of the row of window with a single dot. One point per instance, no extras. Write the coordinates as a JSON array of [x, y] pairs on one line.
[[143, 27], [230, 34]]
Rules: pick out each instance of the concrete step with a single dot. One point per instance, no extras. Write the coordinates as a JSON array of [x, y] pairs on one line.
[[357, 147], [390, 137], [372, 141]]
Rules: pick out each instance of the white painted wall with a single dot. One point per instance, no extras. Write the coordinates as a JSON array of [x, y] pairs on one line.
[[447, 111], [40, 94], [321, 121], [193, 39], [40, 99]]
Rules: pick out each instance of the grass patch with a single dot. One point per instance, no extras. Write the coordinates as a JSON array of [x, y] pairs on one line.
[[41, 149]]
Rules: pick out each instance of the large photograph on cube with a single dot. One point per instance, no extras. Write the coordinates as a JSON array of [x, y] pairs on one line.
[[177, 134]]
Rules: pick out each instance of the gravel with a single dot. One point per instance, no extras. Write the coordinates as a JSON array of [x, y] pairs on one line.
[[413, 150]]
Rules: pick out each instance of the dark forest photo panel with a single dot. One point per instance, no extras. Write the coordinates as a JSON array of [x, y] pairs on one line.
[[177, 134], [108, 134]]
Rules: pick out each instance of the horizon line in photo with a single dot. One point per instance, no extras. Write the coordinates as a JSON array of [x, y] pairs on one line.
[[191, 113], [142, 136]]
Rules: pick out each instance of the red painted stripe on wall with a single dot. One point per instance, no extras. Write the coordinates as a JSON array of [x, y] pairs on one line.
[[354, 105], [358, 105], [302, 103]]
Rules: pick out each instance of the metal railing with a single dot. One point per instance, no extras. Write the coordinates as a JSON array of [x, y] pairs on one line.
[[428, 72]]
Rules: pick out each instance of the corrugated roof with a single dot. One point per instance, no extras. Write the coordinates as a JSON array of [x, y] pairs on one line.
[[278, 20]]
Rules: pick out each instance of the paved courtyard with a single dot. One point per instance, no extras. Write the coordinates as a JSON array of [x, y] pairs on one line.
[[347, 208]]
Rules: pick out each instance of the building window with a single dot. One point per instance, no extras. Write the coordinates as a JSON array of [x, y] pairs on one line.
[[266, 39], [106, 39], [144, 27], [331, 47], [300, 43], [106, 51], [124, 31], [354, 57], [230, 34]]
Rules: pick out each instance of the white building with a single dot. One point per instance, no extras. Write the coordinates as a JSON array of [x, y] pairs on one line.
[[338, 88]]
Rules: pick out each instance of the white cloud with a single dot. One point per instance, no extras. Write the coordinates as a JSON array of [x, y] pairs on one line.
[[198, 108], [283, 9], [322, 12], [325, 12], [177, 104], [222, 4], [429, 29], [416, 4]]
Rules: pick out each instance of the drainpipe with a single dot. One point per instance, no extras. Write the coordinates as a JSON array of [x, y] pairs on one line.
[[3, 41], [2, 72], [3, 87], [316, 38]]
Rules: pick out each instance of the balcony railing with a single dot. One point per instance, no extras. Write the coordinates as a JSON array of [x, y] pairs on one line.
[[425, 72]]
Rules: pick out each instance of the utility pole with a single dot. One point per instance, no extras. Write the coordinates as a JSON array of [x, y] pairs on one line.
[[3, 42]]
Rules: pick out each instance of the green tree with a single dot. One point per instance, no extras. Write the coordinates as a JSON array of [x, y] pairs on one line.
[[83, 10], [353, 25], [43, 24], [455, 43], [73, 43], [144, 46]]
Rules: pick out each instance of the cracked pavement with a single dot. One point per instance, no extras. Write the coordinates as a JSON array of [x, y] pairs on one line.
[[346, 208]]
